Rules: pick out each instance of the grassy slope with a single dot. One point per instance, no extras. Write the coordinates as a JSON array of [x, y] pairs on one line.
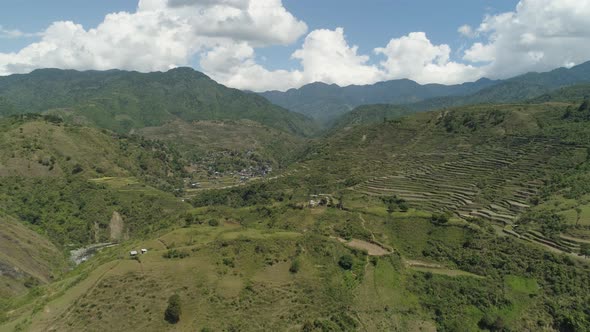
[[25, 257], [369, 114]]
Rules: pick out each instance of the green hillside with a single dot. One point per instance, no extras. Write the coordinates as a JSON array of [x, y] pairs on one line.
[[458, 220], [122, 101], [26, 259], [370, 114], [52, 178], [575, 93]]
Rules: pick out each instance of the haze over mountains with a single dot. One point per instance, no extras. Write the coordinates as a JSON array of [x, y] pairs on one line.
[[326, 103]]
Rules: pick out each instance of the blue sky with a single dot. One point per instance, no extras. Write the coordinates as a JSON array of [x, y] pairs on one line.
[[274, 44], [370, 24]]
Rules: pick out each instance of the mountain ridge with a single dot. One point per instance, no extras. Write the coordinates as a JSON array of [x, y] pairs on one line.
[[122, 100], [326, 103]]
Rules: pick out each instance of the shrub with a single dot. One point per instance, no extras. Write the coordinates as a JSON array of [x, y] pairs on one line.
[[228, 262], [346, 262], [440, 218], [173, 311], [403, 207], [77, 169], [213, 223], [490, 323], [174, 253], [295, 265]]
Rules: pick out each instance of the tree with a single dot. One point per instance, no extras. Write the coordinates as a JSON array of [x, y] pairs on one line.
[[172, 313], [585, 249], [584, 106], [403, 206], [295, 265], [77, 169], [346, 262], [440, 218]]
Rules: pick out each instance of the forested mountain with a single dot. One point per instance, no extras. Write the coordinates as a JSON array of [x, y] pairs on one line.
[[326, 102], [527, 86], [122, 100]]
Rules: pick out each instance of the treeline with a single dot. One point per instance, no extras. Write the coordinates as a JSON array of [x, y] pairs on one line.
[[254, 194]]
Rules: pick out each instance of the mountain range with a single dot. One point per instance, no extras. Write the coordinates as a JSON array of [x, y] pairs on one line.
[[122, 101], [326, 103]]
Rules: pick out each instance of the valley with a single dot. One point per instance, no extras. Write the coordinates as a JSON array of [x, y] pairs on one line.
[[463, 218]]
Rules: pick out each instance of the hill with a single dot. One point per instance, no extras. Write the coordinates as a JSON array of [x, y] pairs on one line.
[[575, 93], [370, 114], [123, 101], [67, 181], [327, 102], [26, 259], [437, 221]]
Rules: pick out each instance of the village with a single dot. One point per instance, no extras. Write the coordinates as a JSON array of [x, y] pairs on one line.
[[224, 169]]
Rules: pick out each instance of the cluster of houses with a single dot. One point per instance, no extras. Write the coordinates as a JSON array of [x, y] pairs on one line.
[[319, 200], [134, 253]]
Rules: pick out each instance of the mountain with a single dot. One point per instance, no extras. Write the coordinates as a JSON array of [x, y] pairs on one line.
[[123, 101], [519, 88], [326, 102]]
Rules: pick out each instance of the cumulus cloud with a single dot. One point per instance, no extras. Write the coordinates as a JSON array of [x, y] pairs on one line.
[[224, 35], [327, 57], [158, 36], [324, 56], [414, 56], [538, 36]]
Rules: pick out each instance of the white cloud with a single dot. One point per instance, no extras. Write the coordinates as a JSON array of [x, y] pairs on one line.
[[14, 33], [415, 57], [234, 65], [158, 36], [467, 31], [224, 35], [539, 35], [325, 56]]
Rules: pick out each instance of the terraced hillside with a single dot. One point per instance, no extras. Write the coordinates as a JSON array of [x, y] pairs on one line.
[[488, 183], [492, 163]]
